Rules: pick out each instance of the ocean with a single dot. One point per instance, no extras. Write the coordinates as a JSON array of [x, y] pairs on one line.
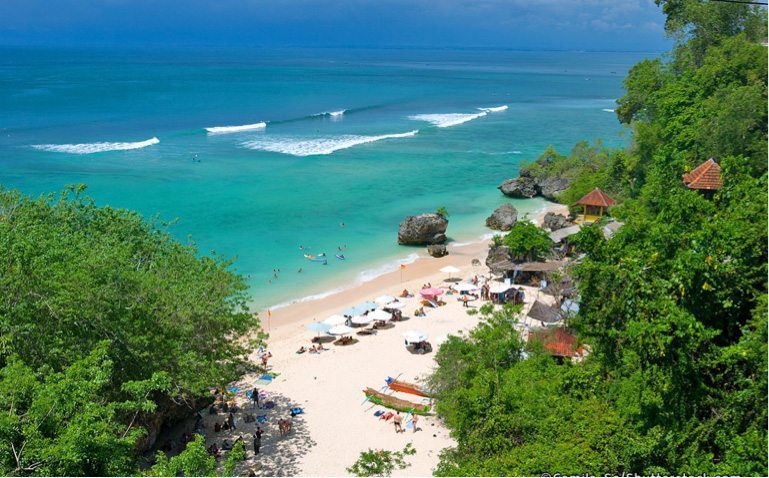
[[266, 154]]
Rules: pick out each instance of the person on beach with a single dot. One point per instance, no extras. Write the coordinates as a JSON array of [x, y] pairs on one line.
[[257, 440], [405, 293], [464, 301], [398, 422], [255, 398], [414, 420], [231, 421]]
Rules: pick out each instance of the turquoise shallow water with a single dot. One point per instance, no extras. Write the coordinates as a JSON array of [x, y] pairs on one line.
[[260, 194]]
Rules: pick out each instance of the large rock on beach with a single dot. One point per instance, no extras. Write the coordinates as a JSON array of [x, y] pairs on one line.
[[503, 218], [522, 187], [498, 259], [423, 230], [437, 250], [551, 188], [555, 221]]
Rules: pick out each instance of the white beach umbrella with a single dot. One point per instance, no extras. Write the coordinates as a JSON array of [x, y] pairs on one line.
[[464, 287], [414, 336], [340, 330], [395, 305], [384, 299], [499, 288], [450, 270], [335, 320], [361, 319], [379, 314]]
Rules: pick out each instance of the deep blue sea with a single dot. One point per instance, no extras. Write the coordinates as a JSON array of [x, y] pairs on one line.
[[356, 137]]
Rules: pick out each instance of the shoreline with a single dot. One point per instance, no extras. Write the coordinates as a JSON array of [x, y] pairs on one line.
[[338, 423]]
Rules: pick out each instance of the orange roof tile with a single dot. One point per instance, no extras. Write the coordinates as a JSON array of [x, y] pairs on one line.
[[706, 176], [596, 197], [557, 342]]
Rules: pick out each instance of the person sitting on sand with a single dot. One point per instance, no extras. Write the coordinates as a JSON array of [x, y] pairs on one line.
[[301, 350], [405, 293], [313, 350], [320, 347]]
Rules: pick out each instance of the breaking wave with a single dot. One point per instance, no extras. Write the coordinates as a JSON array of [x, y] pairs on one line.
[[447, 119], [332, 114], [236, 129], [608, 110], [89, 148], [317, 146], [494, 109]]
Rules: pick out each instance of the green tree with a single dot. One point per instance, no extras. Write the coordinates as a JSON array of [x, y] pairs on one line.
[[381, 462], [528, 242]]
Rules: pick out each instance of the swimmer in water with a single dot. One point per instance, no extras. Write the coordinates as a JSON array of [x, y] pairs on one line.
[[300, 270], [341, 224]]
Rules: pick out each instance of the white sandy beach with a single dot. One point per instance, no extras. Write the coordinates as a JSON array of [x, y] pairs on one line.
[[338, 424]]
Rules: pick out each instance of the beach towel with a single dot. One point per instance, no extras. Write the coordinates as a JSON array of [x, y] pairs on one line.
[[233, 389], [379, 413], [386, 416], [296, 411], [264, 380], [261, 418]]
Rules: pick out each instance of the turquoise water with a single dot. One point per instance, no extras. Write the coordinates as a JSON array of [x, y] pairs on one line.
[[260, 194]]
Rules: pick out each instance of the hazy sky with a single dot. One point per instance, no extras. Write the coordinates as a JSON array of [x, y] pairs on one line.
[[516, 24]]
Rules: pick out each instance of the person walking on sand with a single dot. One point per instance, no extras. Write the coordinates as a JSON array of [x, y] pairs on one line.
[[414, 420], [231, 421], [257, 440], [398, 423], [255, 397]]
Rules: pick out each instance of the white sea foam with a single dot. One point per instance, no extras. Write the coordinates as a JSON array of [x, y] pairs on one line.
[[89, 148], [608, 110], [236, 129], [494, 109], [317, 146], [332, 114], [365, 276], [447, 119]]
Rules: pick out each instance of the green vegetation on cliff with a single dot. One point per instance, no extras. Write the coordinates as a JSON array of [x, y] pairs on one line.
[[674, 306], [104, 320]]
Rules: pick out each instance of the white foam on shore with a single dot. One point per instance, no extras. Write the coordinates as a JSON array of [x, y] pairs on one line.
[[317, 146], [90, 148], [608, 110], [365, 276], [494, 109], [446, 120], [236, 129]]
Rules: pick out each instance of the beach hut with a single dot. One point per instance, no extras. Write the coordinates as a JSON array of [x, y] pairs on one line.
[[705, 178], [594, 205], [544, 313], [557, 342]]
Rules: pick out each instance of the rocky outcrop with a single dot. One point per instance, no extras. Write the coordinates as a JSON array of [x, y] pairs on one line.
[[422, 230], [503, 218], [527, 186], [437, 250], [521, 188], [554, 221], [498, 259]]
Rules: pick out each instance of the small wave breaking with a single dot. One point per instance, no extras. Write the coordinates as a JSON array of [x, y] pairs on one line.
[[494, 109], [608, 110], [90, 148], [236, 129], [332, 114], [317, 146], [446, 120]]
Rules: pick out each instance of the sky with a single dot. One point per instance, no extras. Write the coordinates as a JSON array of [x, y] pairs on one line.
[[600, 25]]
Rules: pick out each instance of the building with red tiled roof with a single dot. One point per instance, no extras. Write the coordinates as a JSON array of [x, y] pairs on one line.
[[705, 177], [557, 342], [594, 204]]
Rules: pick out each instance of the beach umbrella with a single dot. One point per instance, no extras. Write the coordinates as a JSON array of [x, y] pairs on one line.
[[379, 315], [384, 299], [335, 320], [318, 327], [366, 307], [395, 305], [464, 287], [340, 330], [414, 336], [450, 270], [431, 292], [361, 319]]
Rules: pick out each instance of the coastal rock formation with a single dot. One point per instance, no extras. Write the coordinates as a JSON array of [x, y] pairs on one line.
[[521, 188], [437, 250], [554, 221], [503, 218], [422, 230], [498, 259], [550, 188]]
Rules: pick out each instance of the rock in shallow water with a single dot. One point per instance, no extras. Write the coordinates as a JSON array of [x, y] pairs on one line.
[[437, 250], [422, 230], [503, 218], [522, 187]]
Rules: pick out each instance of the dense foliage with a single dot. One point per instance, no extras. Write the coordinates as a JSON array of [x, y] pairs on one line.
[[527, 242], [104, 319], [674, 306], [381, 462]]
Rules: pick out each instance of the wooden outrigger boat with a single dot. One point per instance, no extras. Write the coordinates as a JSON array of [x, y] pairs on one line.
[[406, 387], [395, 403]]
